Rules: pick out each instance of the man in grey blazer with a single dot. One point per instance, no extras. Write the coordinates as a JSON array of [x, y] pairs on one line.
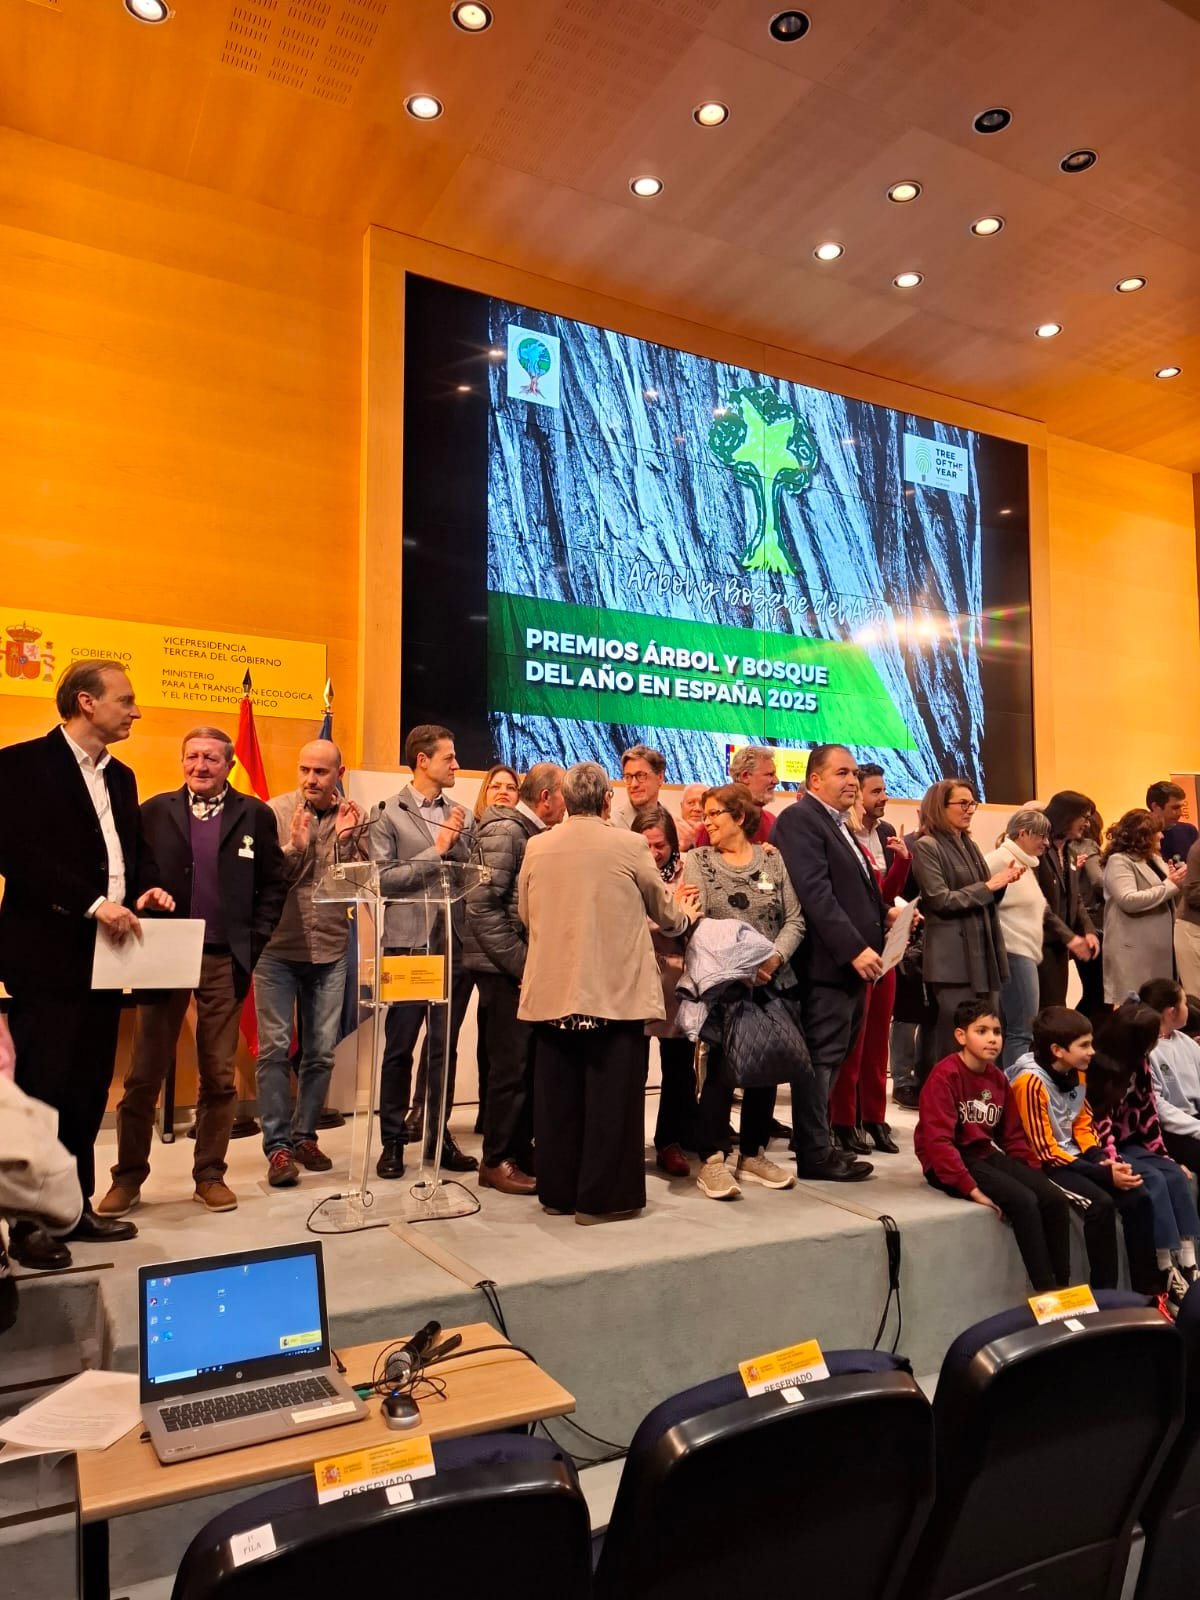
[[415, 832]]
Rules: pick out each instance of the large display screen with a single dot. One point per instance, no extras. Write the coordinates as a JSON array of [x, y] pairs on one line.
[[609, 542]]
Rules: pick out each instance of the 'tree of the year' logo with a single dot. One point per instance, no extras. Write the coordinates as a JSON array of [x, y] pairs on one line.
[[770, 449], [24, 657]]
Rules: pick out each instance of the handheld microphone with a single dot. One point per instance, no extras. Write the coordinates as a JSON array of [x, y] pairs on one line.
[[402, 1363]]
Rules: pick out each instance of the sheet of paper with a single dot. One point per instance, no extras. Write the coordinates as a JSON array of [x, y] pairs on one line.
[[899, 934], [89, 1412], [166, 957]]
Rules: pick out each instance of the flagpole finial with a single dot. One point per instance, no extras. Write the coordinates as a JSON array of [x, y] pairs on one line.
[[329, 694], [246, 684]]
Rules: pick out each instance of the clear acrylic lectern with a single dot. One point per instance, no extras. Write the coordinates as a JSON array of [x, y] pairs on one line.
[[383, 981]]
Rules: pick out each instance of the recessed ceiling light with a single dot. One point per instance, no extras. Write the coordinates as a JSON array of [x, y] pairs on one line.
[[711, 114], [1130, 285], [788, 26], [1168, 372], [471, 17], [1047, 330], [994, 120], [148, 10], [464, 388], [1078, 161], [425, 107], [646, 187], [1006, 511], [986, 226], [901, 193], [830, 251], [907, 280], [650, 394]]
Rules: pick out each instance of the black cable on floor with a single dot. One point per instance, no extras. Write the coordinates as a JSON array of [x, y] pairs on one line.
[[891, 1234]]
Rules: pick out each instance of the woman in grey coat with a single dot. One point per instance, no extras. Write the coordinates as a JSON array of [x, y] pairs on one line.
[[964, 956], [1140, 891]]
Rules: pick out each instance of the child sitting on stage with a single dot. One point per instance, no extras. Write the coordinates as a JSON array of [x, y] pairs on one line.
[[1121, 1095], [970, 1144], [1051, 1100]]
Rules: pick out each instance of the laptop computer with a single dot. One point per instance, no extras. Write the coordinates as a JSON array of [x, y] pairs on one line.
[[235, 1350]]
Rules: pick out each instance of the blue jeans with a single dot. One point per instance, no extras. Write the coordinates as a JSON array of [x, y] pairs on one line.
[[1170, 1194], [315, 990], [1018, 1003]]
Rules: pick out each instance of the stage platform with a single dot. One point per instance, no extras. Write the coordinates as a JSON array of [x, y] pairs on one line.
[[623, 1314]]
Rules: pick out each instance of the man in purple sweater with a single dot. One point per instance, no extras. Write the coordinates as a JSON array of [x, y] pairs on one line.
[[219, 851]]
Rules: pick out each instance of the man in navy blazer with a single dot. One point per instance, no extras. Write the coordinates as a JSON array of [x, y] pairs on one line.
[[844, 919], [219, 855], [76, 867]]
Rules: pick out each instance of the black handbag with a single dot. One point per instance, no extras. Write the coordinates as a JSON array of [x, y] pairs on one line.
[[761, 1044]]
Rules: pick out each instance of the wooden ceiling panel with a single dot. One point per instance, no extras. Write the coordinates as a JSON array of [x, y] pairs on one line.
[[298, 105]]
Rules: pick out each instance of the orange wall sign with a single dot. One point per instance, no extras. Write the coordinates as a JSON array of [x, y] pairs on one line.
[[180, 668]]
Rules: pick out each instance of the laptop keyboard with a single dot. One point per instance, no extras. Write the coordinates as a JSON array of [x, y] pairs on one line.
[[246, 1403]]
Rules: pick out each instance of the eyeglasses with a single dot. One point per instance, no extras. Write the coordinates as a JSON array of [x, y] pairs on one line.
[[967, 805], [708, 815]]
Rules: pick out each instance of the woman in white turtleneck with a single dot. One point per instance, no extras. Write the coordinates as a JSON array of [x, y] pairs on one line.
[[1021, 913]]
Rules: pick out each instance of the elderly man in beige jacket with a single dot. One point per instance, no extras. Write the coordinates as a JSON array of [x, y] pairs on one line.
[[590, 985]]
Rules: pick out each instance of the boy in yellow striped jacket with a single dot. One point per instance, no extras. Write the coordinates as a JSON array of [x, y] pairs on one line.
[[1050, 1096]]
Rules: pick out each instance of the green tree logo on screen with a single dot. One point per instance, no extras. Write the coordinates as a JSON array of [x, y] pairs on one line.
[[769, 447], [535, 359]]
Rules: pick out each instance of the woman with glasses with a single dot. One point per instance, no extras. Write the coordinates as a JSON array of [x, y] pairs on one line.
[[964, 956], [730, 877]]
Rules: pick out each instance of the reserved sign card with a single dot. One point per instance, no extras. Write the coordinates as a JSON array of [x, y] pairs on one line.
[[1061, 1304], [380, 1467], [783, 1369]]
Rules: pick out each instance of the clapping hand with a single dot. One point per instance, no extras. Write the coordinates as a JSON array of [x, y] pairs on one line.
[[450, 830], [1006, 875], [349, 817], [301, 830]]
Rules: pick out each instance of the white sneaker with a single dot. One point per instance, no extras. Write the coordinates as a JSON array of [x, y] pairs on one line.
[[758, 1169], [716, 1181]]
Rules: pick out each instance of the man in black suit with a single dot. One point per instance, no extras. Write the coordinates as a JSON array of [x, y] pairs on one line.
[[844, 920], [74, 860], [218, 852]]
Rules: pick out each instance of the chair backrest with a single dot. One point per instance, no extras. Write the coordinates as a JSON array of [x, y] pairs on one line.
[[494, 1499], [827, 1492], [1048, 1439], [1171, 1516]]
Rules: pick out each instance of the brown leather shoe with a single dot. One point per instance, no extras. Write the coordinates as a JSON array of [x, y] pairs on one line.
[[215, 1196], [118, 1201], [507, 1177], [282, 1171]]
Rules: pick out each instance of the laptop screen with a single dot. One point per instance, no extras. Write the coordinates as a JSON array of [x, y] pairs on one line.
[[225, 1319]]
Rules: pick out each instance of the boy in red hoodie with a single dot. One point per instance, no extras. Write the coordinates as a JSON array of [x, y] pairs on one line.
[[970, 1143]]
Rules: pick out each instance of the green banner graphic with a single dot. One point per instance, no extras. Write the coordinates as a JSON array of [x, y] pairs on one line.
[[586, 664]]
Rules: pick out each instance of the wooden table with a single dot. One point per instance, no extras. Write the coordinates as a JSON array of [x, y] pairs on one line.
[[493, 1390]]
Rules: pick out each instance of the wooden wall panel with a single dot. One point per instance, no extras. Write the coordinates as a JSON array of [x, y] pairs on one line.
[[1124, 636], [178, 422]]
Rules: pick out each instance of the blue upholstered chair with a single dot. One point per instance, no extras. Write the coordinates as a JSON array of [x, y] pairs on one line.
[[1048, 1440], [500, 1505], [825, 1495], [1171, 1516]]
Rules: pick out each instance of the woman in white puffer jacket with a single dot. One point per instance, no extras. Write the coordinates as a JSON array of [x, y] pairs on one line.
[[1022, 914]]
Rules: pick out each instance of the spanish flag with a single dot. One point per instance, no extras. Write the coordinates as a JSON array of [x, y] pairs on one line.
[[249, 775], [248, 772]]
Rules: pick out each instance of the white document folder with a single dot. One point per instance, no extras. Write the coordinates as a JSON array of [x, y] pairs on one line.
[[166, 957]]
